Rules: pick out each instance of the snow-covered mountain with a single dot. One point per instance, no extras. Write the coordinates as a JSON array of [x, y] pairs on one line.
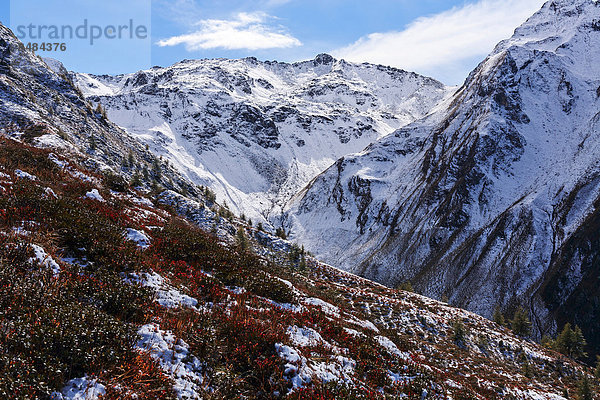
[[40, 104], [258, 132], [491, 200], [112, 292], [106, 294]]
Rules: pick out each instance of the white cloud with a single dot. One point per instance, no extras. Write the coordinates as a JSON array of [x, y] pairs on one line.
[[444, 45], [248, 31]]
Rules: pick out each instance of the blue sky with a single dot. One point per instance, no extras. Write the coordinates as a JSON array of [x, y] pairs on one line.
[[440, 38]]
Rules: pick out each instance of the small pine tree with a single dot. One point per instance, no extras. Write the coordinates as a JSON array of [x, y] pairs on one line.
[[483, 342], [547, 342], [579, 344], [526, 370], [156, 170], [145, 173], [184, 190], [242, 240], [131, 159], [406, 286], [571, 342], [249, 222], [302, 265], [260, 227], [280, 232], [521, 325], [597, 370], [459, 332], [156, 188], [499, 317], [295, 253], [92, 142], [210, 195], [584, 389], [136, 180]]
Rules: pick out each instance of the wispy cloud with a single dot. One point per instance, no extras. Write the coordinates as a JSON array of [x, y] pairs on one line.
[[184, 12], [248, 31], [440, 44]]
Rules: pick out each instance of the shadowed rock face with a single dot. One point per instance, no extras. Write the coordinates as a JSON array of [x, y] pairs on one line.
[[491, 200]]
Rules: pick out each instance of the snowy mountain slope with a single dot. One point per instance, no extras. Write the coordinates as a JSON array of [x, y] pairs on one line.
[[40, 104], [108, 295], [492, 200], [257, 132]]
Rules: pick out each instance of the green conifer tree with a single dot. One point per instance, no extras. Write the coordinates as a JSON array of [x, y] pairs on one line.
[[584, 389], [156, 170], [521, 325], [499, 317], [242, 240], [571, 342], [136, 180], [406, 286]]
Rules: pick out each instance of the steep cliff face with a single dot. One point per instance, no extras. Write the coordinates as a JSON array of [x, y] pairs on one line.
[[257, 132], [492, 199]]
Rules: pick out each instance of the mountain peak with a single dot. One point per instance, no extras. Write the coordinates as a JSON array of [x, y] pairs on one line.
[[564, 28], [559, 21], [324, 59]]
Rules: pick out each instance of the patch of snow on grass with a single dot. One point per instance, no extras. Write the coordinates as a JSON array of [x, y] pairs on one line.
[[52, 141], [534, 395], [81, 389], [41, 257], [300, 371], [142, 201], [61, 164], [50, 193], [365, 324], [391, 347], [353, 332], [286, 306], [166, 296], [295, 370], [327, 308], [304, 337], [139, 237], [70, 170], [24, 175], [94, 195], [175, 359]]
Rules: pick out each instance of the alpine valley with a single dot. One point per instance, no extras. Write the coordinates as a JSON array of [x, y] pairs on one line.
[[245, 229], [486, 193]]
